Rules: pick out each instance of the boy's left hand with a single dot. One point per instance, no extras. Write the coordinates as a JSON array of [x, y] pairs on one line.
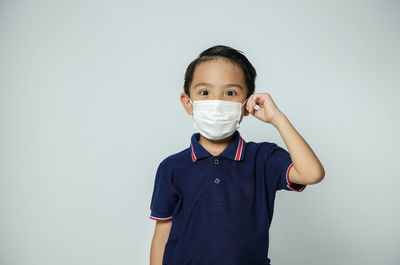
[[267, 112]]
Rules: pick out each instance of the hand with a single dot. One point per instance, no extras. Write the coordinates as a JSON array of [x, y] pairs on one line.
[[268, 111]]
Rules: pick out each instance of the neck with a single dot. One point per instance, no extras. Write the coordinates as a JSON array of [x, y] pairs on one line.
[[215, 147]]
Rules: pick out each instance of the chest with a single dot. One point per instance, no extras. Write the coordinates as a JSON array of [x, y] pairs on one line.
[[218, 183]]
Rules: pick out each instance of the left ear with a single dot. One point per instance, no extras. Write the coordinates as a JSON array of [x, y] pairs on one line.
[[246, 112]]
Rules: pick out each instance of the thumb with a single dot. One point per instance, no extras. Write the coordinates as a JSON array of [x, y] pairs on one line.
[[257, 113]]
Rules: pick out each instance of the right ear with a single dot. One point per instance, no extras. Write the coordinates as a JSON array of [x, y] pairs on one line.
[[186, 103]]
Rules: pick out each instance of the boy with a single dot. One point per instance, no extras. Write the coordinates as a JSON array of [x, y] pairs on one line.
[[213, 202]]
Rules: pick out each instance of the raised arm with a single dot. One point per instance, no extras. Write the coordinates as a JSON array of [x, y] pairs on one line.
[[307, 169]]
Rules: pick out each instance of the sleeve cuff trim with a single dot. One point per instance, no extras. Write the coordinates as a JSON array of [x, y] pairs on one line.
[[293, 186], [160, 218]]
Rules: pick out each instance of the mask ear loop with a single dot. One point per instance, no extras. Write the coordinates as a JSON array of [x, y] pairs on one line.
[[237, 124], [244, 102], [191, 102]]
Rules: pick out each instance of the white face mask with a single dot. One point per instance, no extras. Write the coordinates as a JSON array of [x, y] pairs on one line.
[[216, 119]]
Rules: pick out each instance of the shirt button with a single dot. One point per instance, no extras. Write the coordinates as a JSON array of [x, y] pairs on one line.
[[216, 161], [216, 180]]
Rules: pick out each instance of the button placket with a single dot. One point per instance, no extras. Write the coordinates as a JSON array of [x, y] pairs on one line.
[[217, 196], [216, 162]]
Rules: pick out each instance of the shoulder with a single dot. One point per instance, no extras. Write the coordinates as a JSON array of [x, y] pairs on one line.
[[176, 159], [261, 147]]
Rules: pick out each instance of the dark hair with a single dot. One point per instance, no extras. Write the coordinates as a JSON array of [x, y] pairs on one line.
[[234, 56]]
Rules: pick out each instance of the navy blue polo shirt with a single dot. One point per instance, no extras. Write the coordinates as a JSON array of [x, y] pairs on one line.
[[221, 206]]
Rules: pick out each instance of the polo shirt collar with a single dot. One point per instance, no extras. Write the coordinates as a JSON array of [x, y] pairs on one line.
[[234, 150]]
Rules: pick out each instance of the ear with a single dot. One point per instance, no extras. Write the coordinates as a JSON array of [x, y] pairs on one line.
[[246, 112], [186, 103]]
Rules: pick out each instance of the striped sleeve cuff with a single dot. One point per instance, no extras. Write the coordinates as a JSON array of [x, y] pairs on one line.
[[160, 217], [291, 185]]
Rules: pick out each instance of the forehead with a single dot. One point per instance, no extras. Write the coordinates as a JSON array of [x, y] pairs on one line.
[[218, 72]]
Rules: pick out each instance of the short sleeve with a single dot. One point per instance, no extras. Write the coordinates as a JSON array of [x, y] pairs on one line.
[[278, 165], [164, 198]]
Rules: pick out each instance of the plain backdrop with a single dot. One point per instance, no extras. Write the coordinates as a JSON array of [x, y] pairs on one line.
[[89, 106]]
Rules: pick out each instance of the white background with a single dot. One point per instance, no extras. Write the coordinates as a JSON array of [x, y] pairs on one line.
[[89, 106]]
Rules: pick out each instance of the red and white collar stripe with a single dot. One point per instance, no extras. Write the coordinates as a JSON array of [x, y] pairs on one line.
[[194, 158], [239, 149]]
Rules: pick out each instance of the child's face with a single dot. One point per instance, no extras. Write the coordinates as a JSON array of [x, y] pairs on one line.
[[217, 79]]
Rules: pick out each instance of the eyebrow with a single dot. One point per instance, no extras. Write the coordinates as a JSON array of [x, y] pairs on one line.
[[226, 85]]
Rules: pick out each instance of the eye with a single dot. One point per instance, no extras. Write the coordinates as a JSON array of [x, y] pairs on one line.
[[230, 93], [204, 92]]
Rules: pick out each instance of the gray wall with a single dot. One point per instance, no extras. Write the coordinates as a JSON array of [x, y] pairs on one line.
[[89, 107]]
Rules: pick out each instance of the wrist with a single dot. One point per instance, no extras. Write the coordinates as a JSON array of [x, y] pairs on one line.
[[279, 119]]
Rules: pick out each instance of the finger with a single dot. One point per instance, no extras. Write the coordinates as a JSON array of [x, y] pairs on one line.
[[250, 103], [253, 102], [259, 114], [256, 113], [260, 100]]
